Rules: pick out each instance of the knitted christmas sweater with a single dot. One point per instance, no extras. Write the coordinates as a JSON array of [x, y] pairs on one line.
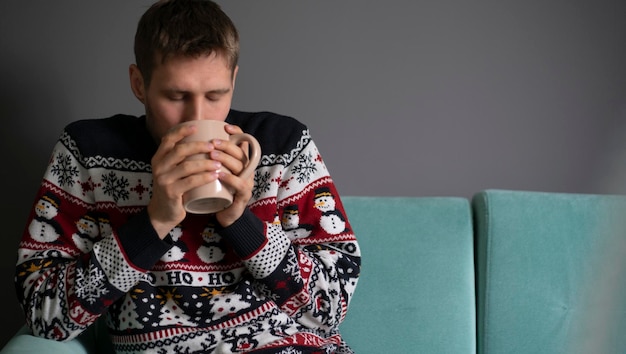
[[279, 280]]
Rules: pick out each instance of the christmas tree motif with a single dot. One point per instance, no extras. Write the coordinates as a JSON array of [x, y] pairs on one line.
[[128, 311], [171, 313], [208, 293], [211, 249]]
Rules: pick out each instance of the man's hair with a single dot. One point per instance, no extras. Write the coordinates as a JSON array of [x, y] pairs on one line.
[[184, 27]]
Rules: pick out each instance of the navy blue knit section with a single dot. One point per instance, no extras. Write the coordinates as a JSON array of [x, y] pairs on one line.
[[120, 137], [277, 134], [140, 241], [246, 235], [125, 137]]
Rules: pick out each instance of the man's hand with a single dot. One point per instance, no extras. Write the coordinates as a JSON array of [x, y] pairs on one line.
[[173, 175], [234, 158]]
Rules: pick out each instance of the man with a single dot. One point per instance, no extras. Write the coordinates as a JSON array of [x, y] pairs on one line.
[[108, 234]]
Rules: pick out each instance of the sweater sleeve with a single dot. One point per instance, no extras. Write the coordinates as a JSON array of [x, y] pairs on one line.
[[74, 261], [307, 259]]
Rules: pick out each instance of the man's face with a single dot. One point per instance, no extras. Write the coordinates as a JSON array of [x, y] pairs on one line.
[[184, 89]]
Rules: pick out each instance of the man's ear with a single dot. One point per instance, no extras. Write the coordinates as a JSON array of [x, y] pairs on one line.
[[137, 83], [235, 71]]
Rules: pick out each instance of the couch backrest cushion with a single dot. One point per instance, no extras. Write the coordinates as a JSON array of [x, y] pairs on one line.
[[416, 292], [551, 272]]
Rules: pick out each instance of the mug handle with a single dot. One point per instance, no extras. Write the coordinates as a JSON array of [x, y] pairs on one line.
[[255, 152]]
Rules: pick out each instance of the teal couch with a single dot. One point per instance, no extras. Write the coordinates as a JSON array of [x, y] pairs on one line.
[[502, 272], [551, 273]]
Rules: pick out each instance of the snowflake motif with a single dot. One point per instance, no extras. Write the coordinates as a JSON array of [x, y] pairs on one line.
[[64, 170], [292, 266], [89, 186], [285, 184], [305, 168], [261, 185], [262, 289], [140, 189], [279, 179], [115, 187], [88, 284]]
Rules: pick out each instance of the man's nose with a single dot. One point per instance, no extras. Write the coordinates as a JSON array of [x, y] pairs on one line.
[[195, 110]]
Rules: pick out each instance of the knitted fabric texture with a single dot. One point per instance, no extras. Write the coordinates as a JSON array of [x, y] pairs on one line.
[[279, 280]]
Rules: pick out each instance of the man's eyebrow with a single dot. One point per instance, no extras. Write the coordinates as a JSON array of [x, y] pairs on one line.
[[220, 91], [183, 91]]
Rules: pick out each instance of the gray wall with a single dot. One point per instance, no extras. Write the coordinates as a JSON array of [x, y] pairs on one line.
[[421, 98]]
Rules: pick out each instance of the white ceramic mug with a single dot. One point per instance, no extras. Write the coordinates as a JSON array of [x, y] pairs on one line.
[[215, 196]]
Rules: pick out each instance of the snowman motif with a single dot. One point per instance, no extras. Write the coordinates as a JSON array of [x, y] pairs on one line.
[[211, 249], [177, 252], [276, 221], [291, 223], [105, 225], [43, 227], [332, 221], [87, 230]]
